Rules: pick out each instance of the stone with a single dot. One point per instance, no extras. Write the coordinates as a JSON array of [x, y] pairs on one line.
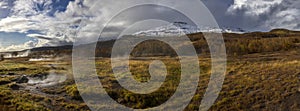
[[22, 79], [10, 74], [4, 82], [14, 87]]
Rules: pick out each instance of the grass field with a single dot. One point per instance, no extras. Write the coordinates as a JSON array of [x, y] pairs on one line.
[[268, 81], [263, 72]]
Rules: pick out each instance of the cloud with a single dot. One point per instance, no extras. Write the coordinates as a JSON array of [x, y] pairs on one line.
[[39, 36], [269, 14], [3, 4], [56, 22], [26, 45], [62, 26], [5, 7], [38, 16], [254, 7], [15, 24]]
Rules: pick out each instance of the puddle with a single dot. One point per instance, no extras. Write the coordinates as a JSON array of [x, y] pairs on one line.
[[40, 59]]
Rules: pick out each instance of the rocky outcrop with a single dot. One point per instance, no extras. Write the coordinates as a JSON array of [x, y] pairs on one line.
[[22, 79]]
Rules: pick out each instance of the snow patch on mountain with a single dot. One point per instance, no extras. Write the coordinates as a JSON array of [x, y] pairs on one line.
[[182, 28]]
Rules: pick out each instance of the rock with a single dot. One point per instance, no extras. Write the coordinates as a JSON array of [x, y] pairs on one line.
[[14, 87], [22, 79], [40, 76], [10, 74], [231, 73], [4, 82], [1, 57]]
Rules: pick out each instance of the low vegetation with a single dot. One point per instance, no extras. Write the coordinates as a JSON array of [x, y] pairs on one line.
[[262, 74]]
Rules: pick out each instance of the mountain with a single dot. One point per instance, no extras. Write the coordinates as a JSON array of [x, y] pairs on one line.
[[250, 42], [182, 28], [54, 51]]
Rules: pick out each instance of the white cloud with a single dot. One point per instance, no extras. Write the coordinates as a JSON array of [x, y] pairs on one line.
[[269, 13], [91, 14], [3, 4], [5, 7], [25, 15], [254, 7], [26, 45], [15, 24]]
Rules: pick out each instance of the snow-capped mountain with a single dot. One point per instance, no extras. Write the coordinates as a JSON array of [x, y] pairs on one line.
[[182, 28]]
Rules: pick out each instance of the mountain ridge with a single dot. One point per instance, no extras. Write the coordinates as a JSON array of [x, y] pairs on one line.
[[107, 44], [182, 28]]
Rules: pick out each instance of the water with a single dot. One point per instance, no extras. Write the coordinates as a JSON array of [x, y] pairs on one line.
[[47, 80]]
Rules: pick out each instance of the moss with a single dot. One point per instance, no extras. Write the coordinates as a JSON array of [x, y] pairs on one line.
[[254, 80], [73, 92]]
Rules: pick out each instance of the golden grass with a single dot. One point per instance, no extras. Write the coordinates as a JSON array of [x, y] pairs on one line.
[[258, 82]]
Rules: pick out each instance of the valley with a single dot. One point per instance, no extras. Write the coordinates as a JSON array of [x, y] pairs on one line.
[[262, 73]]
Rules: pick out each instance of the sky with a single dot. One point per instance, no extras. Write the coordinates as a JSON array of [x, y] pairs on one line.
[[26, 24]]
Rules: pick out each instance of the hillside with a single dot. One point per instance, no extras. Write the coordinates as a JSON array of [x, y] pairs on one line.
[[236, 44]]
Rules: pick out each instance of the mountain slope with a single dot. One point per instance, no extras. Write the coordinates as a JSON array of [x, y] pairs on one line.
[[182, 28]]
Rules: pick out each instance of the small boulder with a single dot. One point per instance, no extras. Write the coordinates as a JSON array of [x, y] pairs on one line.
[[22, 79], [14, 87], [11, 74], [231, 73], [4, 82]]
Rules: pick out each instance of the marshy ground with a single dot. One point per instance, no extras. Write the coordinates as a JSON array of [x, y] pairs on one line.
[[260, 81]]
